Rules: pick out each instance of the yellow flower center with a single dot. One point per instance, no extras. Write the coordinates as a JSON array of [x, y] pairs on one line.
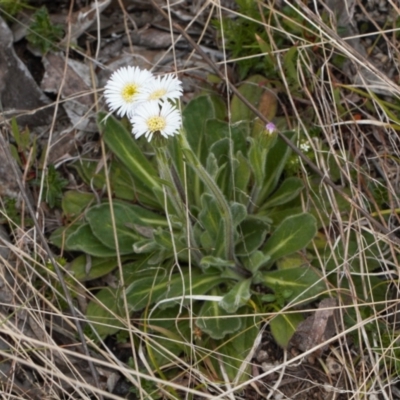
[[156, 123], [129, 91], [157, 94]]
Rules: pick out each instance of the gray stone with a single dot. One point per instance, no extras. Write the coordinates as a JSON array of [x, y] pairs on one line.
[[20, 95]]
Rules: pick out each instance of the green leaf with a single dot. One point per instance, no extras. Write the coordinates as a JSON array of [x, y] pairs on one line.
[[158, 257], [195, 116], [256, 261], [176, 156], [79, 237], [257, 160], [139, 268], [123, 185], [164, 240], [216, 322], [221, 150], [84, 240], [236, 133], [102, 312], [303, 283], [287, 191], [147, 290], [225, 239], [293, 261], [290, 66], [210, 261], [239, 213], [266, 48], [235, 349], [238, 296], [252, 235], [17, 134], [85, 268], [277, 215], [15, 155], [74, 202], [172, 331], [130, 222], [44, 33], [242, 178], [210, 218], [277, 158], [212, 166], [252, 90], [124, 146], [293, 234], [215, 131], [283, 326], [60, 235], [268, 298], [164, 247], [145, 246], [216, 246]]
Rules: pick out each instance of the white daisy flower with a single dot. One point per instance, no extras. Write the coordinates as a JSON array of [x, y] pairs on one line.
[[153, 118], [123, 88], [161, 89]]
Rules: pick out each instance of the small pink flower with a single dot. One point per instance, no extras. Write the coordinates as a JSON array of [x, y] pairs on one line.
[[270, 127]]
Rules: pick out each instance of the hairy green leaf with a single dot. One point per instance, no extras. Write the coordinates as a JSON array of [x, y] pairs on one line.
[[74, 202], [102, 312], [235, 349], [170, 326], [210, 218], [257, 160], [195, 116], [210, 261], [238, 296], [122, 183], [79, 237], [151, 289], [130, 222], [239, 213], [293, 234], [242, 178], [287, 191], [256, 261], [251, 89], [252, 233], [283, 326], [277, 158], [216, 322], [301, 283], [85, 268]]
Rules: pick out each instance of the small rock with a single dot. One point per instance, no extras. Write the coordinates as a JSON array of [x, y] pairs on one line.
[[262, 356], [333, 366], [73, 79], [151, 38], [8, 182], [20, 96]]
